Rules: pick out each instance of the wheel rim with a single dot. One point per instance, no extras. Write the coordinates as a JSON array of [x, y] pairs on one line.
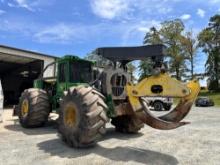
[[24, 108], [158, 106], [70, 115]]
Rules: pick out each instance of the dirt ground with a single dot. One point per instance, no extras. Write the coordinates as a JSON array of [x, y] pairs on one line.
[[196, 143]]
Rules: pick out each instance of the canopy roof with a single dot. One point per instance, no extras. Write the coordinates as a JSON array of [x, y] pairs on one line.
[[127, 54]]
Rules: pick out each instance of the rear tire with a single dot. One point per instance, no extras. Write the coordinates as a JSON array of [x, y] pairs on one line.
[[82, 117], [127, 124], [33, 108]]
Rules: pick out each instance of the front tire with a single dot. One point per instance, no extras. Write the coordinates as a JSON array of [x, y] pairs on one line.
[[82, 117], [33, 108]]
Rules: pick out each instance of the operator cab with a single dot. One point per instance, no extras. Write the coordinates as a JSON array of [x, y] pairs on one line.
[[80, 71], [71, 71]]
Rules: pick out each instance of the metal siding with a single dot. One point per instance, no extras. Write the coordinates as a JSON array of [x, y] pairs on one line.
[[22, 57]]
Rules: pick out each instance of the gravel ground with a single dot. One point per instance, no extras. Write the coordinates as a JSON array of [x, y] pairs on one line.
[[196, 143]]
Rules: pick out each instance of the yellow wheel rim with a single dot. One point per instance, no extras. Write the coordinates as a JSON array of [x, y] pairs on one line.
[[24, 108], [70, 115]]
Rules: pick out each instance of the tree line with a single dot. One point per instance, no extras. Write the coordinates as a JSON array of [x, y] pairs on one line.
[[182, 48]]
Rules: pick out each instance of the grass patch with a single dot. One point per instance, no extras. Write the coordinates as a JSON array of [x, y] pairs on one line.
[[215, 96]]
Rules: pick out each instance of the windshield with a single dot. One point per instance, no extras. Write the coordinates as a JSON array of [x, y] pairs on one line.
[[80, 72]]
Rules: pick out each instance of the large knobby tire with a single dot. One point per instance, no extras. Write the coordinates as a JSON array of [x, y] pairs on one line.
[[82, 116], [33, 108], [127, 124]]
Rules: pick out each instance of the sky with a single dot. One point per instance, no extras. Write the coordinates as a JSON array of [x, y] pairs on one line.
[[77, 27]]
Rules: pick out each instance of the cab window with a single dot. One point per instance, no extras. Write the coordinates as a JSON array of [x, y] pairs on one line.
[[62, 75]]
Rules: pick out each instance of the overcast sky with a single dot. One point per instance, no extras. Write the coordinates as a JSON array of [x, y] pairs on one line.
[[78, 26]]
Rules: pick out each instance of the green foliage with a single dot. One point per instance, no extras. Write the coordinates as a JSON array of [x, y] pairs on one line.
[[213, 86], [190, 47], [145, 68], [215, 96], [152, 37], [131, 68], [181, 48], [100, 61], [171, 35], [209, 41]]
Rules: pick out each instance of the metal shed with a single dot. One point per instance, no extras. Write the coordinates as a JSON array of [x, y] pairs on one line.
[[18, 69]]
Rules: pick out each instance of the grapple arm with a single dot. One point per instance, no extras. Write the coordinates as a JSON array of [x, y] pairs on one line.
[[163, 85]]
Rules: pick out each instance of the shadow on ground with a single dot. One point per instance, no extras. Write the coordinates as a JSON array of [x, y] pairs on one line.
[[56, 147], [49, 128], [111, 133]]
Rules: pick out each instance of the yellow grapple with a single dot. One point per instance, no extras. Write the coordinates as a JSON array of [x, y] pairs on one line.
[[162, 85]]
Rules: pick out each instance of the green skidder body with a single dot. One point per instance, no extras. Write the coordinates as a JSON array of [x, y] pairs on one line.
[[72, 94], [86, 96]]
